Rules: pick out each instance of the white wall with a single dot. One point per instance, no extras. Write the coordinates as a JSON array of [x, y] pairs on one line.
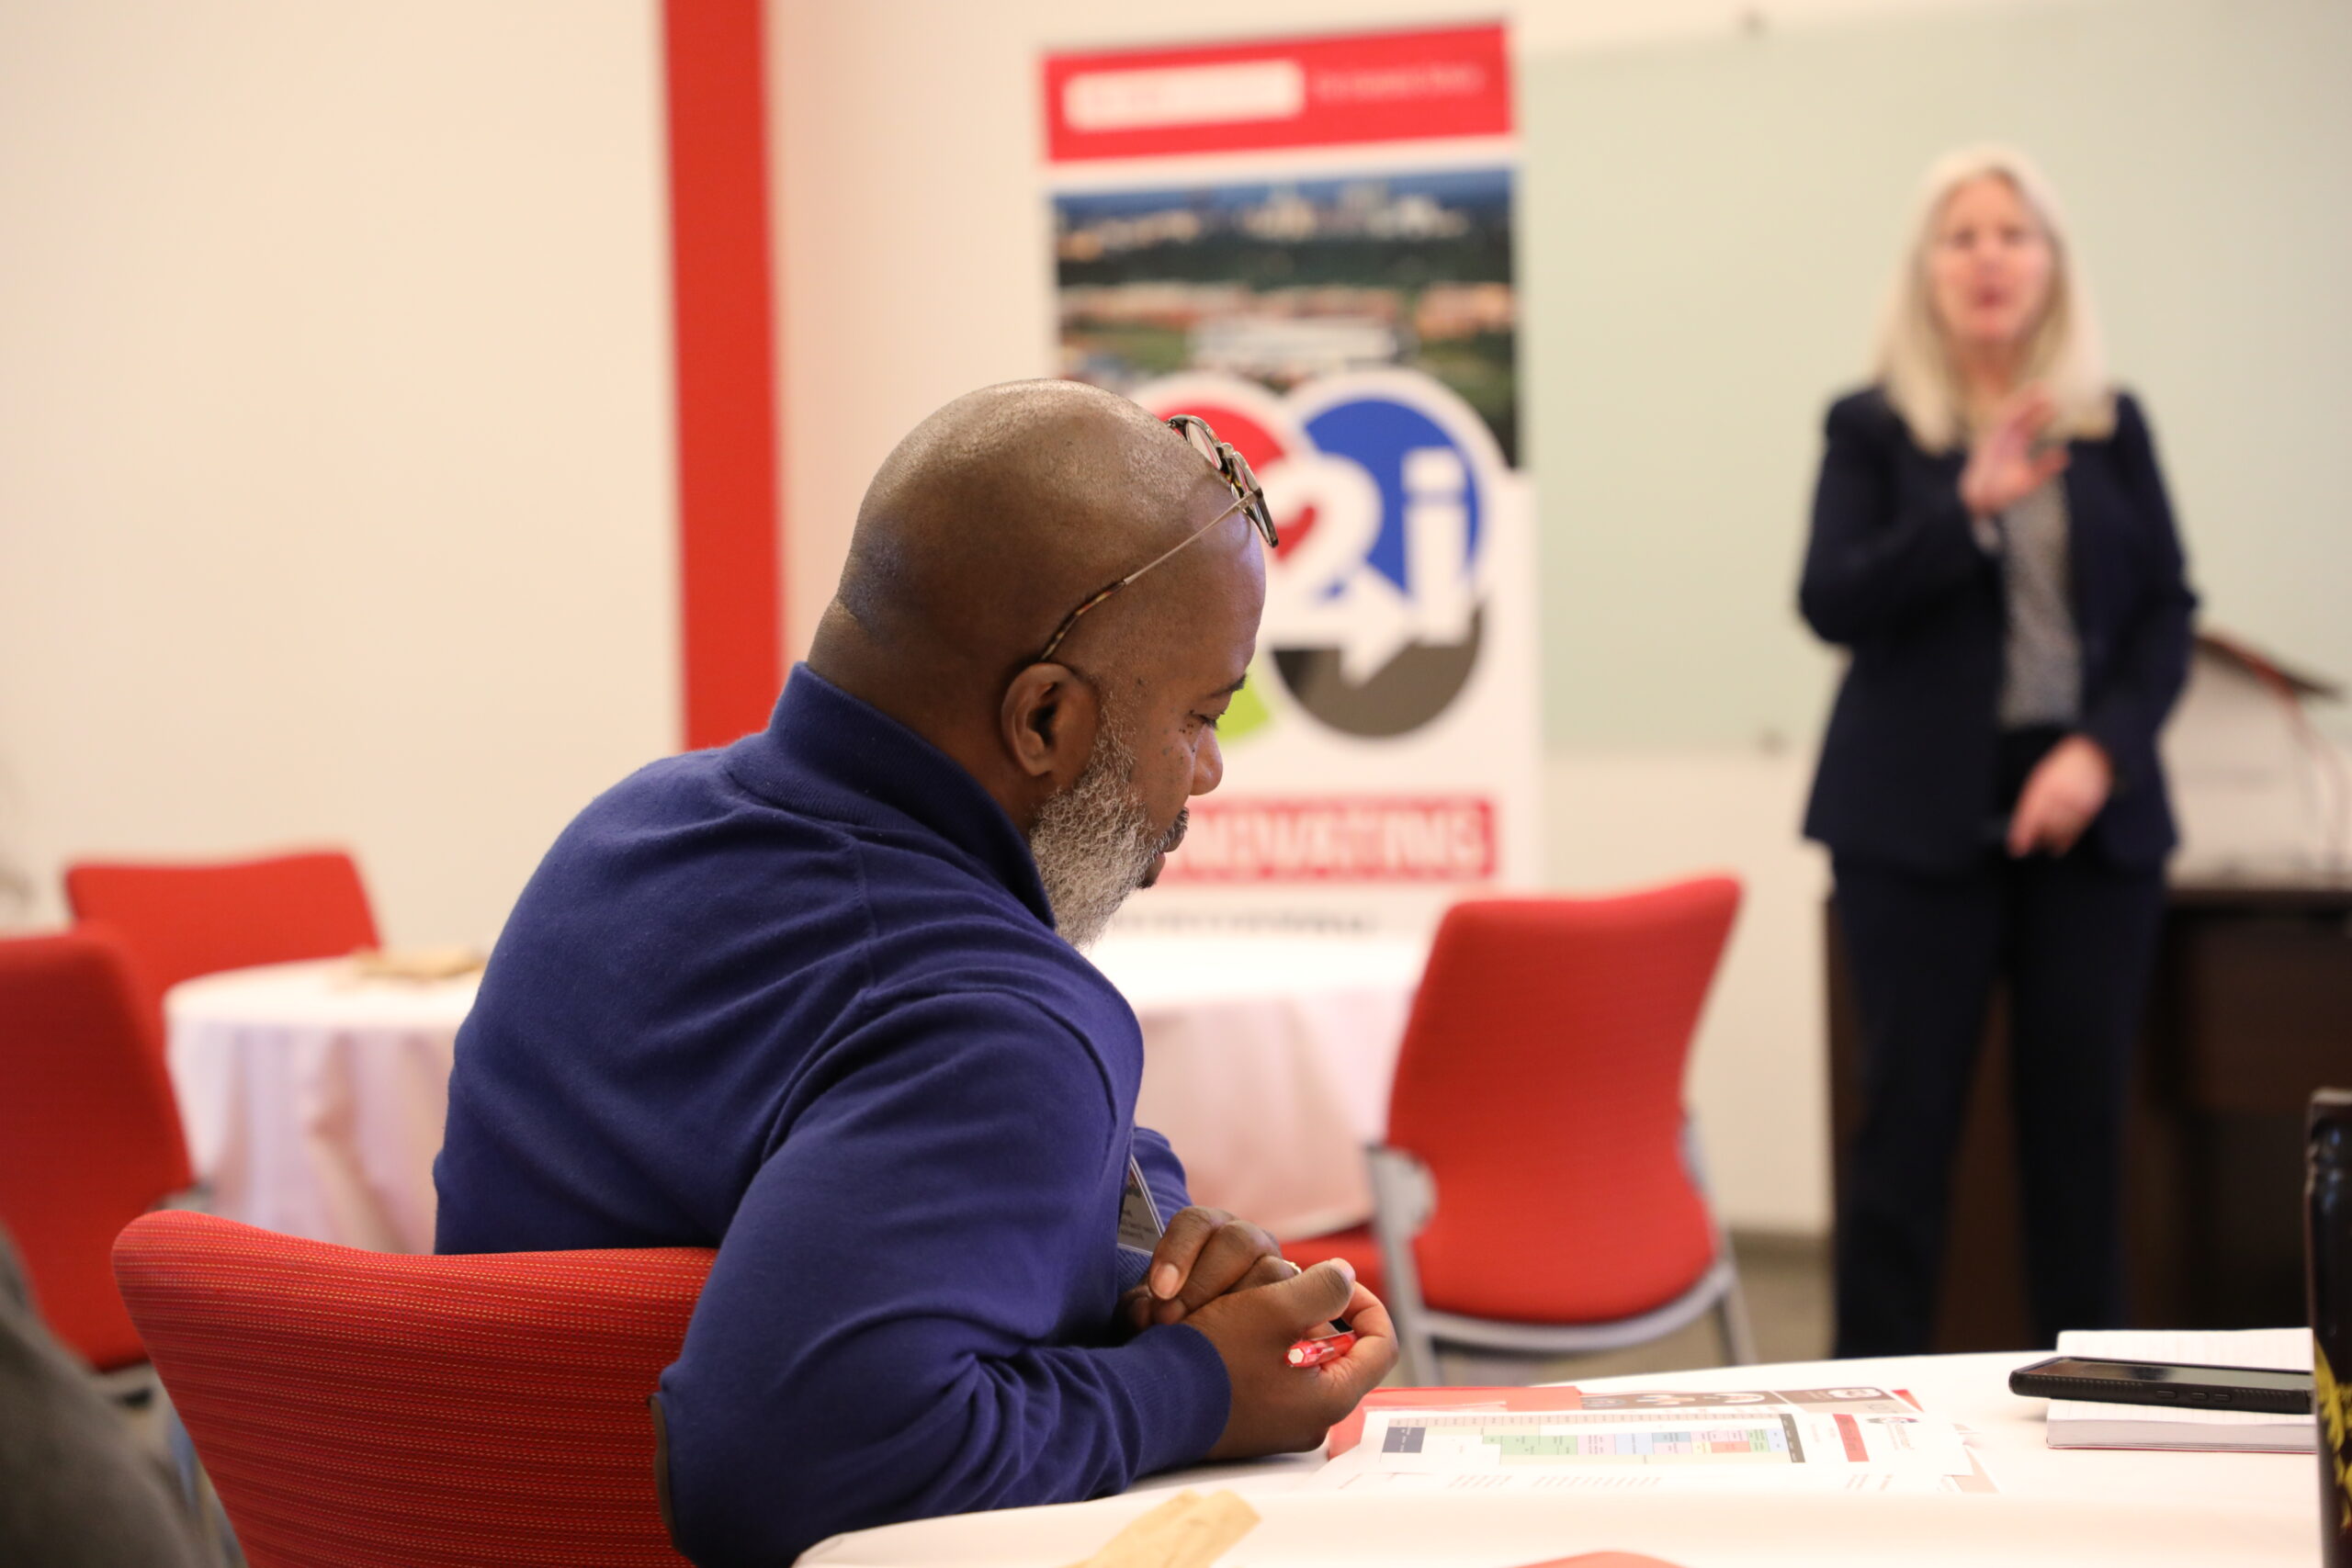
[[336, 476], [915, 264]]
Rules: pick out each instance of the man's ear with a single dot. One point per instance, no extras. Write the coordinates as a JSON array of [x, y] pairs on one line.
[[1047, 723]]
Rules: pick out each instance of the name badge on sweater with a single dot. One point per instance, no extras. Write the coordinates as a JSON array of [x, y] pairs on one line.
[[1139, 1221]]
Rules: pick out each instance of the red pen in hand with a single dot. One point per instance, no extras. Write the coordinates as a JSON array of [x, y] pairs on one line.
[[1323, 1347]]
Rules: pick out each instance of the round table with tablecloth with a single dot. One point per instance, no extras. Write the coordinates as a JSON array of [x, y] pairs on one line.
[[314, 1097]]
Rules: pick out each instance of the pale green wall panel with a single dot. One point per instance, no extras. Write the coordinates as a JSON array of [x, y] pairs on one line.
[[1708, 229]]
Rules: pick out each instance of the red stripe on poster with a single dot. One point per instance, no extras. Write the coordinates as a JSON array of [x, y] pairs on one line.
[[1850, 1434], [729, 576], [1397, 86]]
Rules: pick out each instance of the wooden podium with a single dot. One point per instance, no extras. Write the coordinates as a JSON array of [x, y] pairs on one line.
[[2251, 1010]]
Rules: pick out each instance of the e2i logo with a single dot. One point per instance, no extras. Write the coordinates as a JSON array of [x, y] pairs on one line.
[[1383, 485]]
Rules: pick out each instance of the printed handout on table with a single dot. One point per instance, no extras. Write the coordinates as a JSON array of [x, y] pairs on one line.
[[1847, 1439]]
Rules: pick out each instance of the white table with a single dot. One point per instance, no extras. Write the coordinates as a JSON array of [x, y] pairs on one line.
[[2070, 1507], [1267, 1062], [313, 1100]]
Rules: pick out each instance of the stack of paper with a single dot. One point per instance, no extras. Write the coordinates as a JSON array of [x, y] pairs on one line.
[[2081, 1424]]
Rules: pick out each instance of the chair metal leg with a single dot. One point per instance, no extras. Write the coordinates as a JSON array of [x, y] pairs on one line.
[[1416, 1358], [1731, 1307], [1401, 1204], [1731, 1317]]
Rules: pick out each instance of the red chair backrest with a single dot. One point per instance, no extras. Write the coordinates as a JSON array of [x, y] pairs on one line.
[[180, 922], [357, 1409], [1541, 1081], [89, 1138]]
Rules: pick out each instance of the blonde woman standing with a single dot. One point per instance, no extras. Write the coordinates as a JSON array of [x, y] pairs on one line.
[[1992, 543]]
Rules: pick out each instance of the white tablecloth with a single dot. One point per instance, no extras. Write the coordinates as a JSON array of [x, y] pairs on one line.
[[313, 1100], [2071, 1508], [1267, 1062]]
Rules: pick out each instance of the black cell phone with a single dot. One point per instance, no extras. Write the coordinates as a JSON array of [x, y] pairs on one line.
[[2281, 1393]]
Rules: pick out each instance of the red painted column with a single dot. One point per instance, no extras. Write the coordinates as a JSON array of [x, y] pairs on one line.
[[730, 522]]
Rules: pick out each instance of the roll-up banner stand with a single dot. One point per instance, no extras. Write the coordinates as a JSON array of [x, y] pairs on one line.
[[1307, 242]]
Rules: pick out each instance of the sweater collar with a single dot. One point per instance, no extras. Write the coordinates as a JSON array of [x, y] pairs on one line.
[[834, 755]]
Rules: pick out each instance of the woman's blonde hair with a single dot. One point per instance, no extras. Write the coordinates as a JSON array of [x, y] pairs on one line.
[[1914, 357]]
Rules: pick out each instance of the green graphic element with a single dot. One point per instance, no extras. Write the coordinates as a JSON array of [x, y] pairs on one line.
[[1247, 713]]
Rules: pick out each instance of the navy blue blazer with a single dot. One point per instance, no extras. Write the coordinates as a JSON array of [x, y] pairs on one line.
[[1908, 772]]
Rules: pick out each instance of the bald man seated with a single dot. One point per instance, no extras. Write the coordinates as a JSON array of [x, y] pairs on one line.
[[815, 999]]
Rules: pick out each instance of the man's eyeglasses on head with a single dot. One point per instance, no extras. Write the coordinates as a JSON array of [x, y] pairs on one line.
[[1248, 499]]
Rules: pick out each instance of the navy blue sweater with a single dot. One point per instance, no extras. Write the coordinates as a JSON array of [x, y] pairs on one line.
[[801, 1000]]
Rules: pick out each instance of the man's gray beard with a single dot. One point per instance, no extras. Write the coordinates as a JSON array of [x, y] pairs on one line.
[[1095, 843]]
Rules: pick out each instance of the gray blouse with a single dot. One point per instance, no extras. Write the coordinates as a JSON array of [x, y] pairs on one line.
[[2041, 681]]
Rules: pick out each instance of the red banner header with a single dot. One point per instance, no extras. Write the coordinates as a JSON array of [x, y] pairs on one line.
[[1405, 86]]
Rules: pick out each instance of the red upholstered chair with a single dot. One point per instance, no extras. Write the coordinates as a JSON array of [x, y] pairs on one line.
[[382, 1410], [88, 1136], [1539, 1194], [182, 920]]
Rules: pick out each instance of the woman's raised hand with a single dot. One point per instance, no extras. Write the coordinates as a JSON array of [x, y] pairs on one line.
[[2003, 467]]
